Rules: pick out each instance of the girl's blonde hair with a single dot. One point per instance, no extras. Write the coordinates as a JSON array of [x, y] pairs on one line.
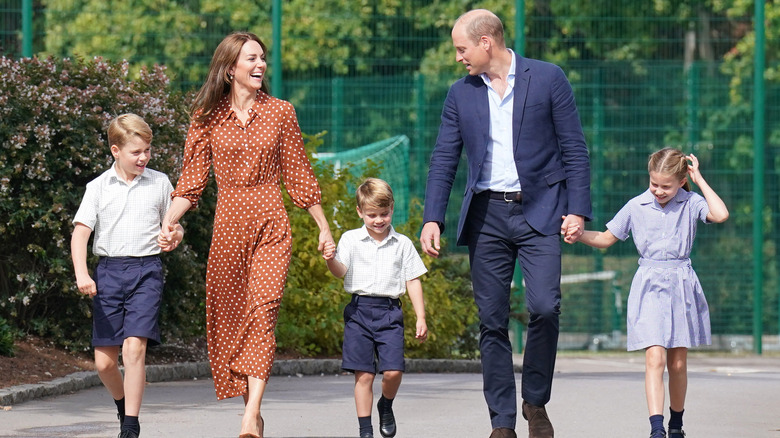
[[218, 82], [670, 161], [127, 126], [374, 192]]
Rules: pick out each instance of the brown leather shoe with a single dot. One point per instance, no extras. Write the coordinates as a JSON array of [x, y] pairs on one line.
[[539, 425], [503, 432]]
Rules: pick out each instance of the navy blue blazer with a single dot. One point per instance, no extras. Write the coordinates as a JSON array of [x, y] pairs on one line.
[[549, 147]]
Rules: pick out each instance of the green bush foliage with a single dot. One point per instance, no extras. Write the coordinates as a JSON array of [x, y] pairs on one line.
[[6, 339], [53, 120], [311, 319]]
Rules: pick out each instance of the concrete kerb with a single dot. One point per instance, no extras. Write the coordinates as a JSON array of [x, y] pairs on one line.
[[194, 370]]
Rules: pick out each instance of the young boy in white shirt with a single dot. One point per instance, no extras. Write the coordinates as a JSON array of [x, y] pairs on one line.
[[124, 206], [378, 265]]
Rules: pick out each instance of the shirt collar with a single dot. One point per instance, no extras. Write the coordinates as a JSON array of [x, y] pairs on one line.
[[510, 79], [113, 176], [392, 235], [648, 198], [225, 110]]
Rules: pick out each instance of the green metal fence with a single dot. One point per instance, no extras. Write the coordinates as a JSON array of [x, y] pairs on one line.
[[644, 79]]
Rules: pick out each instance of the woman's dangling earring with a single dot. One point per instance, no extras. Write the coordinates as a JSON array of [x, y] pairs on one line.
[[230, 78]]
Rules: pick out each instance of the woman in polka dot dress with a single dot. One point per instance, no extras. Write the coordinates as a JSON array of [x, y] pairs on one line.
[[253, 140]]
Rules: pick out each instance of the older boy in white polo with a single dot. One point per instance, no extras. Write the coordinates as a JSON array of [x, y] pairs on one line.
[[124, 206]]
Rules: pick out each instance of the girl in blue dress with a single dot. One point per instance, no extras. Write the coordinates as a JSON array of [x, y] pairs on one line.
[[667, 312]]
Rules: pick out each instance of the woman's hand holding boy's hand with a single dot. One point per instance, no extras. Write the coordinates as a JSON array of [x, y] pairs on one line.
[[329, 250], [170, 237]]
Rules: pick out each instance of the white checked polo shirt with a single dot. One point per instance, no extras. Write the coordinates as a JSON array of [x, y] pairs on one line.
[[379, 269], [125, 217]]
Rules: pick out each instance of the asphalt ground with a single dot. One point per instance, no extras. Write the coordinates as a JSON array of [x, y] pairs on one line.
[[594, 395]]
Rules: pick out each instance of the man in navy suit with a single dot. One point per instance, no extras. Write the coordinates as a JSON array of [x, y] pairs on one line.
[[528, 181]]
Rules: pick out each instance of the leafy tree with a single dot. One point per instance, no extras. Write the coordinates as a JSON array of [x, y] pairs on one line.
[[142, 32], [330, 36]]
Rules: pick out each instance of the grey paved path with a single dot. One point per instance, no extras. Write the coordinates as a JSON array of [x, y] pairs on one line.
[[593, 396]]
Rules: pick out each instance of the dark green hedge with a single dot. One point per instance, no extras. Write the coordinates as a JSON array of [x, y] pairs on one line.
[[53, 119]]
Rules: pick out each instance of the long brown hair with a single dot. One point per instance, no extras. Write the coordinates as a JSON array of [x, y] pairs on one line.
[[670, 161], [218, 81]]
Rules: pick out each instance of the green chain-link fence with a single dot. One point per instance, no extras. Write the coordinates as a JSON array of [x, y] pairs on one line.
[[644, 79]]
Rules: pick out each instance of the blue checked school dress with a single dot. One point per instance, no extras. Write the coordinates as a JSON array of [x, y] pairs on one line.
[[666, 305]]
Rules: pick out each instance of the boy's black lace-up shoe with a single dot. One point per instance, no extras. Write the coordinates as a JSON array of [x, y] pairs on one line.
[[386, 419]]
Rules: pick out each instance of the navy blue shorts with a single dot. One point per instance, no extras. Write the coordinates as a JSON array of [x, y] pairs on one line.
[[127, 304], [373, 329]]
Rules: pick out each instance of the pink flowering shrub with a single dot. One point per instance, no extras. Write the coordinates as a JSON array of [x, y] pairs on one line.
[[53, 120]]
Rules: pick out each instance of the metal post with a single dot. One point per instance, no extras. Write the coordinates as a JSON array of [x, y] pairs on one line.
[[27, 28], [276, 49], [759, 62], [520, 27], [337, 113], [418, 187], [693, 106], [518, 276], [597, 183]]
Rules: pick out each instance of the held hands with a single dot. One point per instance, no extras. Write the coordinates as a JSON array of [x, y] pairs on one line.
[[327, 246], [170, 236], [572, 228], [329, 251]]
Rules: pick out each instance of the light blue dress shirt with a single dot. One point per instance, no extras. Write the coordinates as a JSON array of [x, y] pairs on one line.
[[499, 172]]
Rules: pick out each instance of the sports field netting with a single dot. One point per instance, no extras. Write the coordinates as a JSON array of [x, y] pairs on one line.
[[391, 155]]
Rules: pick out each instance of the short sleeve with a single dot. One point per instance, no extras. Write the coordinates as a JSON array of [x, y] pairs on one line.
[[620, 225], [413, 264], [699, 207], [344, 250], [165, 204], [87, 212]]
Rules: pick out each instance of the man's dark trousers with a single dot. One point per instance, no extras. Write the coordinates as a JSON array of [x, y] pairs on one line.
[[498, 236]]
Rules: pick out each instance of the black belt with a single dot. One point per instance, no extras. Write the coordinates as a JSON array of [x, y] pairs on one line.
[[377, 301], [505, 196], [140, 259]]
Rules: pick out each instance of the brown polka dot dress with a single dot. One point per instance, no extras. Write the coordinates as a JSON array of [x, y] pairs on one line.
[[250, 246]]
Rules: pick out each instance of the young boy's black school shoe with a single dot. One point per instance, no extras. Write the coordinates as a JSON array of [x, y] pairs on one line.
[[676, 433], [386, 419], [366, 435]]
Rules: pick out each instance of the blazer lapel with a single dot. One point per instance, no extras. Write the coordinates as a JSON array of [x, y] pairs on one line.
[[522, 80], [481, 107]]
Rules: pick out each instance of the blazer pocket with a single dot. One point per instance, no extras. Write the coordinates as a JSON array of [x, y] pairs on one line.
[[555, 177], [530, 104]]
